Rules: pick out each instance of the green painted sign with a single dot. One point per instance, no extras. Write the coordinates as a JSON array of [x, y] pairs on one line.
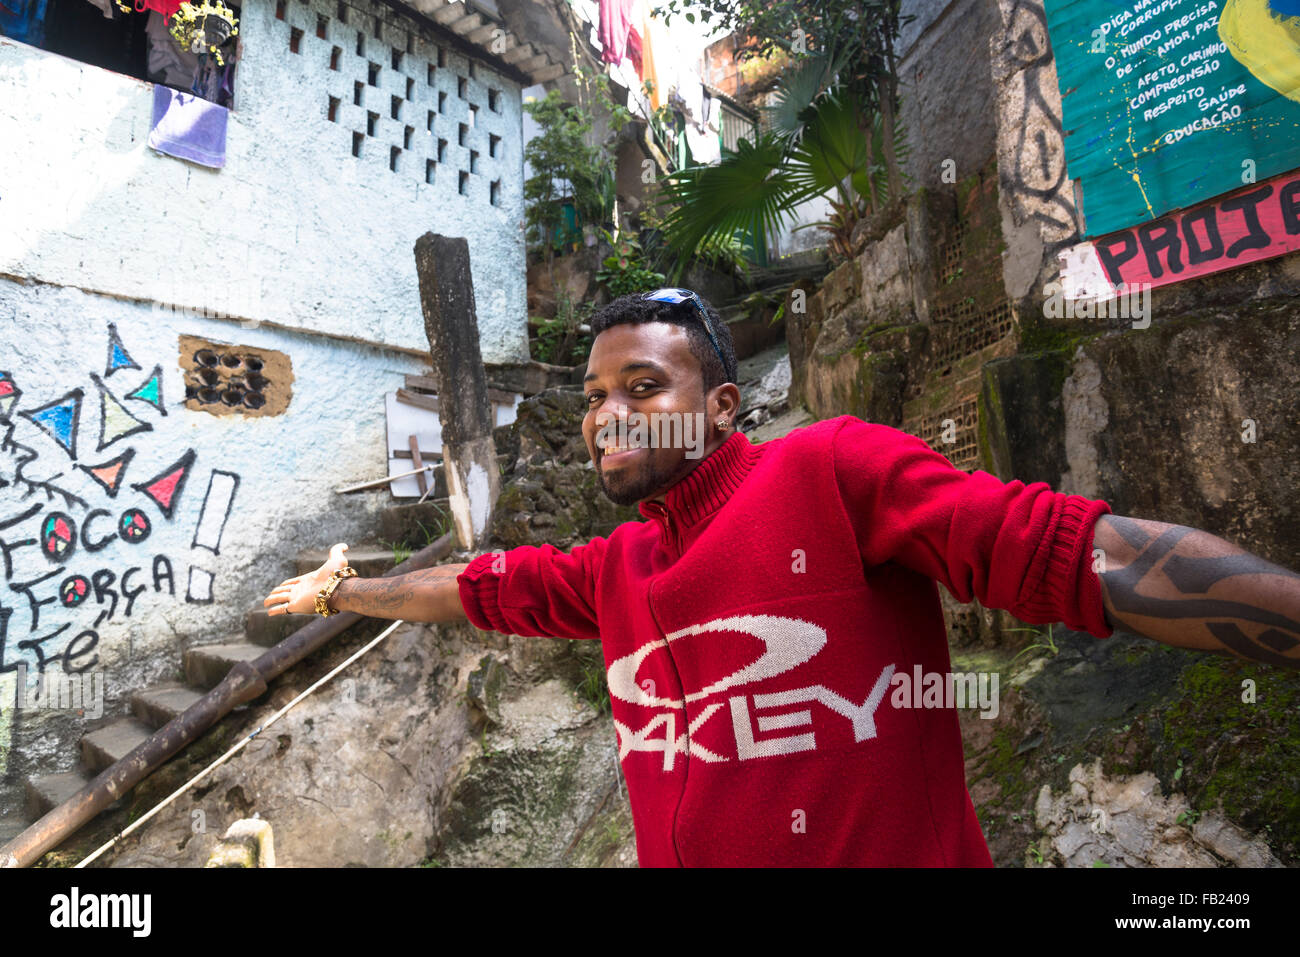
[[1169, 102]]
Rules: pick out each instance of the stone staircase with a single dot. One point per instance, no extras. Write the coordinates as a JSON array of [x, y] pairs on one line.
[[204, 663]]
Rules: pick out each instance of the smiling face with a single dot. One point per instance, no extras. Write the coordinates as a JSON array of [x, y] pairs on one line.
[[646, 373]]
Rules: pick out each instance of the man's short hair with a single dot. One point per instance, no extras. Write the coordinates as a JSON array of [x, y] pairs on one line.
[[635, 310]]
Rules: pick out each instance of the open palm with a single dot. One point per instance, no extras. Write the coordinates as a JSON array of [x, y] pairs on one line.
[[297, 596]]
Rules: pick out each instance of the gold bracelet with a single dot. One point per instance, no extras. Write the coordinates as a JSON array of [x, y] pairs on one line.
[[323, 599]]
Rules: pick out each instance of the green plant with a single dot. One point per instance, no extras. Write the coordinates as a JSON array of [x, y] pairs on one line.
[[725, 254], [758, 188], [489, 752], [1037, 854], [566, 167], [833, 127], [1188, 818], [442, 527], [1047, 644], [594, 687], [401, 552], [560, 339], [851, 45], [625, 271]]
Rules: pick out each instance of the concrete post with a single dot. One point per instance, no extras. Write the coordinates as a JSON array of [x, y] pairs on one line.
[[469, 455]]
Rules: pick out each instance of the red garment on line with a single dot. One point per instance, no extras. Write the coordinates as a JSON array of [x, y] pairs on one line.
[[634, 51], [615, 23], [759, 629], [167, 8]]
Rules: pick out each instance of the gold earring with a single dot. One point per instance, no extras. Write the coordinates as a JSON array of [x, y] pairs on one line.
[[722, 425]]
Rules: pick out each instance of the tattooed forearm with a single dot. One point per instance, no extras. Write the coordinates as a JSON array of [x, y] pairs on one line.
[[430, 594], [1188, 588]]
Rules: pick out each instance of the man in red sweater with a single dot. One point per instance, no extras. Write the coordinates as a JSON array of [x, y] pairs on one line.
[[759, 627]]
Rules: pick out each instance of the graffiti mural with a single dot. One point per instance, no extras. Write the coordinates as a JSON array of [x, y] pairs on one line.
[[1167, 105], [1034, 179], [78, 547]]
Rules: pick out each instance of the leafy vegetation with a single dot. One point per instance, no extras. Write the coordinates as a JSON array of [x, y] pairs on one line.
[[833, 127]]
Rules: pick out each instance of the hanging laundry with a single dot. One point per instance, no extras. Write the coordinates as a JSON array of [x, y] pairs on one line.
[[168, 63], [634, 51], [653, 37], [166, 7], [106, 7], [705, 146], [615, 22], [188, 127], [23, 20]]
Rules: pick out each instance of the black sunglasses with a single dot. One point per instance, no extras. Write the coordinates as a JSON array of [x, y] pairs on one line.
[[676, 296]]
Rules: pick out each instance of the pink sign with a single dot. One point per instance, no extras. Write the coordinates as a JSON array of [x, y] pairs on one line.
[[1251, 224]]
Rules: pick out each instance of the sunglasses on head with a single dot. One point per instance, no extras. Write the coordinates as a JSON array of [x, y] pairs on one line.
[[676, 296]]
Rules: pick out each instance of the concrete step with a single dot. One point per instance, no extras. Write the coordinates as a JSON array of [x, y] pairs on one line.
[[265, 629], [206, 665], [48, 791], [112, 742], [370, 560], [157, 705]]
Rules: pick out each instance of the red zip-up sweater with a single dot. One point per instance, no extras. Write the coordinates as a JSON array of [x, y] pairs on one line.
[[754, 627]]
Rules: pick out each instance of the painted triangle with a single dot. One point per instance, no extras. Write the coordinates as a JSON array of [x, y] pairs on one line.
[[165, 487], [9, 394], [115, 422], [118, 357], [150, 390], [109, 474], [58, 420]]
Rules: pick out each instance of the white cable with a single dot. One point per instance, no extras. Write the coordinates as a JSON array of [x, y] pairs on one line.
[[221, 760]]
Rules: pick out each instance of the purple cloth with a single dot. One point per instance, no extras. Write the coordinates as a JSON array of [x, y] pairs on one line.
[[188, 127]]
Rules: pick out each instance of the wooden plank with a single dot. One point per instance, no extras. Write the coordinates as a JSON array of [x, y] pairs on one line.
[[415, 456], [420, 384], [426, 456], [424, 383], [429, 402], [401, 421]]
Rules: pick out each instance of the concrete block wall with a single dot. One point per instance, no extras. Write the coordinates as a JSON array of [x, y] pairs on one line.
[[295, 229]]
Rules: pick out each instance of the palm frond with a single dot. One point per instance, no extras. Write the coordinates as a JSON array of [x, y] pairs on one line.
[[799, 88], [747, 192]]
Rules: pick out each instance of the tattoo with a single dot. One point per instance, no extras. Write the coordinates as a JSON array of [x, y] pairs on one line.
[[1193, 576], [393, 597], [375, 595]]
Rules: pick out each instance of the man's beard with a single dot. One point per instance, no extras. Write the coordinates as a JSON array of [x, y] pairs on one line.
[[628, 489]]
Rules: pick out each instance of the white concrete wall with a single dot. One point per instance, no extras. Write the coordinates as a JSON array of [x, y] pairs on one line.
[[308, 250], [52, 339], [316, 238], [791, 239]]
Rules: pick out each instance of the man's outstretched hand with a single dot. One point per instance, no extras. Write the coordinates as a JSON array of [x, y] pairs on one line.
[[298, 595]]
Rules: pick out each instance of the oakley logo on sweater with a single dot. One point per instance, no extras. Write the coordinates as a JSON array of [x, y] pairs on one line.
[[788, 643]]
